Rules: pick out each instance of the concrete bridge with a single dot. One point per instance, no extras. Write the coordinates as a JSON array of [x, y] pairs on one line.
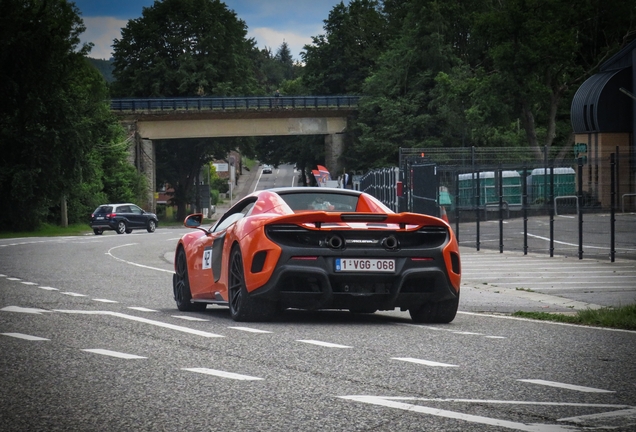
[[173, 118]]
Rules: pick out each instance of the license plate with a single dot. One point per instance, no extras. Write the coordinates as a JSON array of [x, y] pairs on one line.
[[369, 265], [100, 218]]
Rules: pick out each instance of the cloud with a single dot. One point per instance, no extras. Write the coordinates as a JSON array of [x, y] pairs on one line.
[[101, 31], [272, 38]]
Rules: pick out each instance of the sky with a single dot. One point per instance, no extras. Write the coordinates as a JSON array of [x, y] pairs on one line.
[[269, 22]]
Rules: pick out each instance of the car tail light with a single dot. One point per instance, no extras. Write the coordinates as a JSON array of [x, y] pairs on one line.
[[305, 258], [112, 215]]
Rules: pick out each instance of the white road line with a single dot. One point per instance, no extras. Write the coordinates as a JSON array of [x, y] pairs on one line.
[[467, 333], [48, 288], [29, 283], [25, 336], [630, 412], [576, 245], [223, 374], [188, 318], [251, 330], [324, 344], [114, 353], [133, 263], [22, 310], [386, 402], [141, 309], [566, 386], [73, 294], [423, 362], [485, 315], [13, 279], [143, 320], [105, 301]]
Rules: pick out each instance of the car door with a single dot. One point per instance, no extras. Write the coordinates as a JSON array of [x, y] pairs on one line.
[[136, 217], [209, 258]]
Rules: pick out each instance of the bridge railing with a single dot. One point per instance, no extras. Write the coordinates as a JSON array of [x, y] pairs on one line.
[[233, 103]]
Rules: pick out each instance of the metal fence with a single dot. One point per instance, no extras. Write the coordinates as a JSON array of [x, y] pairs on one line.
[[233, 103], [504, 199]]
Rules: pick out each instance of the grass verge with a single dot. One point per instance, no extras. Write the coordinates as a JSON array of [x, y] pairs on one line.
[[50, 231], [623, 317]]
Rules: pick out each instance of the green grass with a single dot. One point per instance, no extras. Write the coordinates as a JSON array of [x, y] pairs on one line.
[[50, 231], [623, 317]]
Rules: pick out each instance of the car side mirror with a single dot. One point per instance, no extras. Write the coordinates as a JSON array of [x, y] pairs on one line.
[[193, 221]]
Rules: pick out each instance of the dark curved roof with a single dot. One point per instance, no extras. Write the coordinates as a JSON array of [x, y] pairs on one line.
[[599, 105]]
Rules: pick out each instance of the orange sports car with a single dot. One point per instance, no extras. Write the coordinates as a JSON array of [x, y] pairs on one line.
[[318, 248]]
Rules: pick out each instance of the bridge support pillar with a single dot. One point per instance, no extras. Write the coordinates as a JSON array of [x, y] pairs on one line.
[[144, 159], [334, 147]]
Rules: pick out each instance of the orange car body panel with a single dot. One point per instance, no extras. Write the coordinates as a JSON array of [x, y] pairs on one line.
[[249, 234]]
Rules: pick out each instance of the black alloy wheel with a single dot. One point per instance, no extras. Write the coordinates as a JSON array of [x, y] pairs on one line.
[[98, 231], [181, 286], [242, 306]]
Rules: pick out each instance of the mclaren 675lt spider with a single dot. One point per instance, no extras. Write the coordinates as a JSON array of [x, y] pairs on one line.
[[318, 248]]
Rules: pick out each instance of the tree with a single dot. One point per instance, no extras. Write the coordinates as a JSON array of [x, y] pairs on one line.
[[52, 114], [397, 111], [538, 53], [285, 60], [185, 48], [339, 61]]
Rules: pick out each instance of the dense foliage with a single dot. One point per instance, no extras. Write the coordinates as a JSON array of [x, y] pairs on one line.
[[54, 122], [432, 73]]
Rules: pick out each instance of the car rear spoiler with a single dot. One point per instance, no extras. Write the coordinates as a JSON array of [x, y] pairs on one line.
[[321, 217]]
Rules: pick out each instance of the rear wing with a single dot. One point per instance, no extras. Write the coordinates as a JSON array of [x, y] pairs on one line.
[[402, 220]]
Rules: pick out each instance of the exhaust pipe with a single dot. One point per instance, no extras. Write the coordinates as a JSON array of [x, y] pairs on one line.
[[335, 242], [390, 243]]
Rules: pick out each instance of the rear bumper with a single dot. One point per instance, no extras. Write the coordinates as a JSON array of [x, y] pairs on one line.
[[103, 225], [314, 284]]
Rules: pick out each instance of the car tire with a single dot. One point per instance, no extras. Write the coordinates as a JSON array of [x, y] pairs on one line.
[[181, 286], [128, 231], [441, 312], [242, 306], [98, 231], [121, 227], [152, 226]]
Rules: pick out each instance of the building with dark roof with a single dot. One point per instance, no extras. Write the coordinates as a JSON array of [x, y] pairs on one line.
[[603, 116]]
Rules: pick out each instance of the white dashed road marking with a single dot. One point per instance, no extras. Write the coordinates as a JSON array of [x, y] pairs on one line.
[[114, 353], [251, 330], [423, 362], [28, 283], [25, 336], [565, 386], [74, 294], [324, 344], [48, 288], [105, 300], [143, 320], [141, 309], [23, 310], [223, 374], [188, 318]]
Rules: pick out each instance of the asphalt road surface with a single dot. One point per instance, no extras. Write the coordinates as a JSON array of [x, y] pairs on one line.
[[90, 339]]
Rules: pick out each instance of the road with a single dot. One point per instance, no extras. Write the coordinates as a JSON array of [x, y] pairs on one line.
[[91, 340]]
